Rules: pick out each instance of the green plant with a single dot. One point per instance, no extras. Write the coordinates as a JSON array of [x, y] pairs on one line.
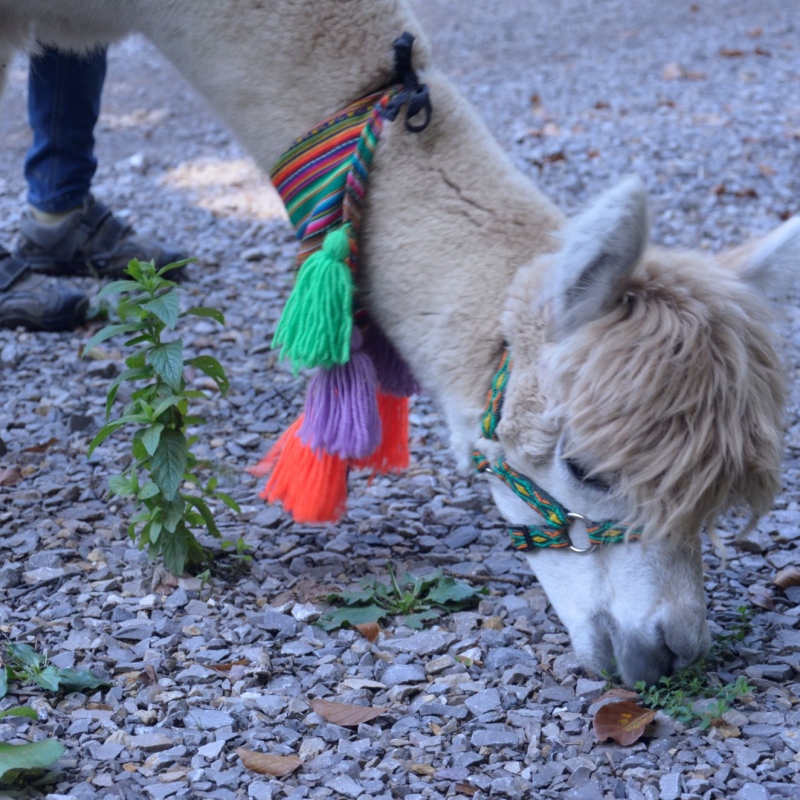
[[676, 695], [21, 663], [417, 600], [158, 412]]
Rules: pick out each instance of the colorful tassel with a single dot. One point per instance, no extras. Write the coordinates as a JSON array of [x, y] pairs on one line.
[[312, 486], [341, 413], [317, 322], [391, 454], [394, 375]]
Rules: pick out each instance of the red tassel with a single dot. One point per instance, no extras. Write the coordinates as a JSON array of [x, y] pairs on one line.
[[391, 455], [312, 486]]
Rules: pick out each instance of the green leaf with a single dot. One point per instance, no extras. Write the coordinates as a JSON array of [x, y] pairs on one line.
[[204, 311], [351, 616], [166, 307], [20, 711], [213, 369], [167, 361], [118, 287], [169, 462], [108, 332], [228, 500], [172, 513], [122, 485], [205, 513], [163, 405], [23, 656], [154, 530], [48, 678], [29, 756], [175, 550], [151, 437], [3, 682], [449, 592], [418, 619], [134, 268], [175, 265], [78, 680], [147, 491]]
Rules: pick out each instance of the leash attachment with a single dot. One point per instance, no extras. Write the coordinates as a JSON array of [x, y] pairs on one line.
[[412, 92]]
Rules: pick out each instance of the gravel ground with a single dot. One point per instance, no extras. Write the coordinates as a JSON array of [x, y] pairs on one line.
[[699, 99]]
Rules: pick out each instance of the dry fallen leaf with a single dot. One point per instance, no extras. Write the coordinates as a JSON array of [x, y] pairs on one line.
[[466, 788], [267, 764], [10, 476], [41, 448], [148, 677], [225, 668], [422, 769], [624, 722], [760, 596], [618, 693], [346, 714], [731, 52], [788, 576], [370, 630]]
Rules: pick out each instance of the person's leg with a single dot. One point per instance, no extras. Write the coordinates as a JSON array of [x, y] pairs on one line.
[[66, 231], [64, 91]]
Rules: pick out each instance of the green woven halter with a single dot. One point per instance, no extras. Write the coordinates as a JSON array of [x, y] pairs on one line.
[[555, 531]]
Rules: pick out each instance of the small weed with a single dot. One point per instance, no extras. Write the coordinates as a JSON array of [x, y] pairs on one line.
[[676, 694], [21, 663], [416, 600], [158, 413]]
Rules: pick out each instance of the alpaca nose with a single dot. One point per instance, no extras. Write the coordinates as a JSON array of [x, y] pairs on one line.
[[671, 647]]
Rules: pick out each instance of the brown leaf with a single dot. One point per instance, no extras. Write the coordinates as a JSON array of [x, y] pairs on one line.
[[602, 104], [788, 576], [422, 769], [225, 668], [346, 714], [10, 476], [759, 596], [624, 722], [369, 630], [148, 677], [731, 52], [719, 189], [746, 193], [466, 788], [267, 764], [617, 694], [551, 158], [760, 51], [41, 448]]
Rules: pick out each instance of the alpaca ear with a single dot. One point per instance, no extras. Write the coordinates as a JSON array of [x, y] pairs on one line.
[[601, 247], [771, 263]]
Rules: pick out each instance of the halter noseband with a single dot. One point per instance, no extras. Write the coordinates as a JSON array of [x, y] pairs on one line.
[[558, 520]]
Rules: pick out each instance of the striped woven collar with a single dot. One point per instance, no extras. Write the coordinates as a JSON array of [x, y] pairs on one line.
[[557, 519]]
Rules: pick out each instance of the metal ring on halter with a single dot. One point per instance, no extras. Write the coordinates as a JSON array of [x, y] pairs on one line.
[[572, 516]]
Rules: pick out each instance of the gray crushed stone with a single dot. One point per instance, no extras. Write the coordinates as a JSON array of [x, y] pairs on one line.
[[701, 100]]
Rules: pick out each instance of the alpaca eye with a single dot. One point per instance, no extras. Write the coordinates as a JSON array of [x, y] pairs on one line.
[[582, 473]]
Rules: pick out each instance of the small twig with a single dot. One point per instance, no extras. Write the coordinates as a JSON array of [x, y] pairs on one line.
[[483, 578]]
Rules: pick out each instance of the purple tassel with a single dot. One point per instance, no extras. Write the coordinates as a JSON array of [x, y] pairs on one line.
[[341, 410], [394, 374]]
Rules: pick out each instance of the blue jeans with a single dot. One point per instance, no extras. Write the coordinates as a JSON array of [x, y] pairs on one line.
[[63, 105]]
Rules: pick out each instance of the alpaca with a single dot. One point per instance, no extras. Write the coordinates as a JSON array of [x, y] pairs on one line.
[[645, 386]]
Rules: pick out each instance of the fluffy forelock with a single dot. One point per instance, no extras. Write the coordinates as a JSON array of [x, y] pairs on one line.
[[679, 392]]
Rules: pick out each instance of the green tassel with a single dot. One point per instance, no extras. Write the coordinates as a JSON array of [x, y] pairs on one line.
[[317, 322]]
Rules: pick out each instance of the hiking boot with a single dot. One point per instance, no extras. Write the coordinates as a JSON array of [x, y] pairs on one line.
[[90, 241], [37, 302]]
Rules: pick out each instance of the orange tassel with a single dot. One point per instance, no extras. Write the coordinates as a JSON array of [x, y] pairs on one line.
[[312, 487], [391, 455]]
